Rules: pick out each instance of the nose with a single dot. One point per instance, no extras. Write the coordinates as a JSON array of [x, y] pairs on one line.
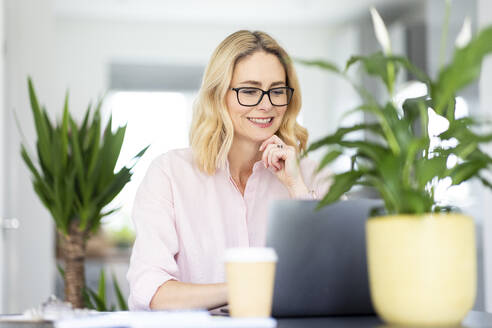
[[265, 103]]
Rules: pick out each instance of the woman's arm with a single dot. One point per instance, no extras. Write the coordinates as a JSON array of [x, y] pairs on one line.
[[173, 295], [153, 259]]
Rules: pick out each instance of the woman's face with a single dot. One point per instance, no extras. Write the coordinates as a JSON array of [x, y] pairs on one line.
[[257, 123]]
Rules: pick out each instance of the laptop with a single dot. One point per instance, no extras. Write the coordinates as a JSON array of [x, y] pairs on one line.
[[322, 267]]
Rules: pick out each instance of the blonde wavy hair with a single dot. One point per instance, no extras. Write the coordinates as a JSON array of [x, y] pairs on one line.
[[212, 132]]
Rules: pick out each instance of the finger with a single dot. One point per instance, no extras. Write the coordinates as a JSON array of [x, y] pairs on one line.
[[278, 140], [272, 139], [288, 153], [276, 157], [283, 155], [267, 142], [269, 148], [271, 159]]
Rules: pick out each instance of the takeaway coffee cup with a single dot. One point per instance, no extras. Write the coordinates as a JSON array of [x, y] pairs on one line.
[[250, 277]]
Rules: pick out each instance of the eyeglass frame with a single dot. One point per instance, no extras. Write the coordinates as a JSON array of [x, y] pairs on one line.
[[267, 92]]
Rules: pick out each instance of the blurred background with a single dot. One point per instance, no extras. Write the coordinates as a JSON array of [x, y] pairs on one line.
[[147, 58]]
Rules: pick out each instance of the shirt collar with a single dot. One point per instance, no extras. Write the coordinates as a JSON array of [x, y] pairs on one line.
[[256, 166]]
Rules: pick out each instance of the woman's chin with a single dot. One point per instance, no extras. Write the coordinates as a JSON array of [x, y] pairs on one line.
[[259, 138]]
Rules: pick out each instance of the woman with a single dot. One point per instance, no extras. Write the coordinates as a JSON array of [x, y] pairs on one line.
[[194, 203]]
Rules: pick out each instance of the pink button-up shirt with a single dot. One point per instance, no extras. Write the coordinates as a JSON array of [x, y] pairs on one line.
[[186, 219]]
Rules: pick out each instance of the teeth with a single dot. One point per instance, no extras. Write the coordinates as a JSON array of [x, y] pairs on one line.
[[261, 120]]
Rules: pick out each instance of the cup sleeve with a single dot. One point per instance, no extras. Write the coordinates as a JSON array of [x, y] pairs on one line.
[[153, 256]]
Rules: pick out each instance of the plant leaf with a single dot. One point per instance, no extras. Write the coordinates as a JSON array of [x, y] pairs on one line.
[[42, 130], [119, 295], [465, 171], [342, 183], [464, 69], [102, 286], [328, 158], [426, 170], [323, 64], [98, 302]]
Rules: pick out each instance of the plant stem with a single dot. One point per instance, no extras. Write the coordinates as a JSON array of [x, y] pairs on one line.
[[391, 79], [390, 68], [444, 35], [73, 248]]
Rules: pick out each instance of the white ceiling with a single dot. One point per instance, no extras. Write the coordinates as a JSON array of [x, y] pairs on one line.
[[223, 11]]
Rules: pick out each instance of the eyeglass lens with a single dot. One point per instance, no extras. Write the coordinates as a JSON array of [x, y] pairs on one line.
[[252, 96]]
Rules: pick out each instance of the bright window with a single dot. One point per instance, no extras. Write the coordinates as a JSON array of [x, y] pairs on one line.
[[158, 119]]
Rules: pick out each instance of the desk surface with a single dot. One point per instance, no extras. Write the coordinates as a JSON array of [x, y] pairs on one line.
[[474, 319]]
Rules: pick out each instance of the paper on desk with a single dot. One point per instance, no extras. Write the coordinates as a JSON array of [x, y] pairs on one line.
[[178, 319]]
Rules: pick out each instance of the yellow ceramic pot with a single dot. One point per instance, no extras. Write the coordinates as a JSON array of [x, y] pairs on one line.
[[422, 269]]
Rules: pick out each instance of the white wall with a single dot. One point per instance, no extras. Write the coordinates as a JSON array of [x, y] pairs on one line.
[[484, 19], [30, 51]]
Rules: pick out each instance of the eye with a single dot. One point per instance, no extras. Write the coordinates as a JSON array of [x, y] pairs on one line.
[[278, 91], [248, 91]]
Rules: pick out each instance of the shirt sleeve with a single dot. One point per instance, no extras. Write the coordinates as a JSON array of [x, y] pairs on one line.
[[153, 256], [318, 183]]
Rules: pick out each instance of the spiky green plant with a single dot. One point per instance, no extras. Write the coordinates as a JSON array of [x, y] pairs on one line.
[[97, 300], [73, 173], [397, 158]]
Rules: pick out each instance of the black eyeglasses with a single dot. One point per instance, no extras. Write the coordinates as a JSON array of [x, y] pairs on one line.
[[248, 96]]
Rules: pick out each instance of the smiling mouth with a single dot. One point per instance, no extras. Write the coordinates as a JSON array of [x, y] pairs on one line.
[[265, 120]]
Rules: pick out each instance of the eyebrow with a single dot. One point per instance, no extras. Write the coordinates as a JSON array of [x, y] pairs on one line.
[[257, 83]]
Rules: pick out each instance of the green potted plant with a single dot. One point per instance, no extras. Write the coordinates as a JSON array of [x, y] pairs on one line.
[[73, 173], [421, 253]]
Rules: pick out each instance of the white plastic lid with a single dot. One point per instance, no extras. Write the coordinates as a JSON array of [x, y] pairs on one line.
[[251, 254]]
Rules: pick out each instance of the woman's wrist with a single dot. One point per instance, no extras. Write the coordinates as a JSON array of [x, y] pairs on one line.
[[298, 190]]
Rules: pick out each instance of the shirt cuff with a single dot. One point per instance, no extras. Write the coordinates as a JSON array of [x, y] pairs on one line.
[[141, 294], [310, 195]]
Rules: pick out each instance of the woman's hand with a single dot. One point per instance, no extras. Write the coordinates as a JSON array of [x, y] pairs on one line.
[[282, 160]]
